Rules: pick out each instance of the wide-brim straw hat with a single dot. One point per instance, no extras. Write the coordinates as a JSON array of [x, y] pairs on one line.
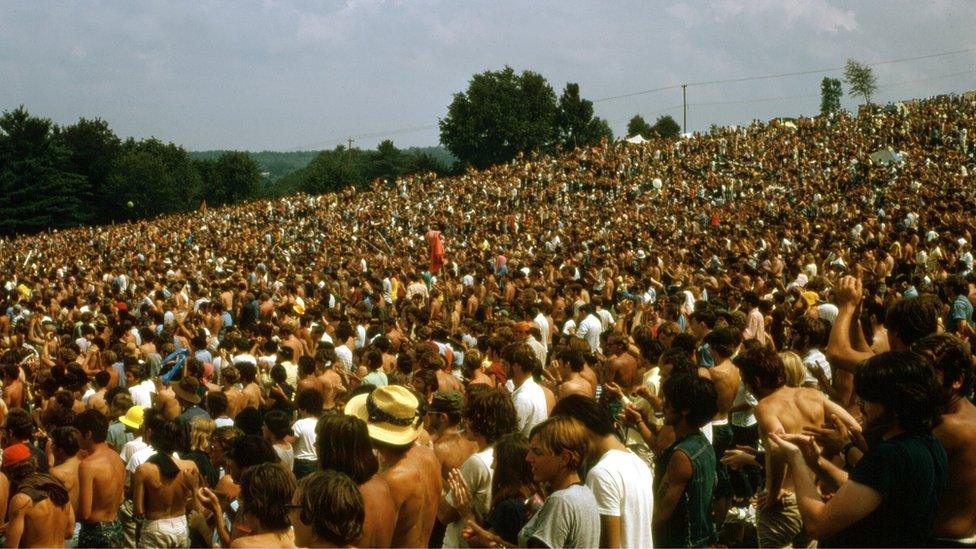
[[391, 414]]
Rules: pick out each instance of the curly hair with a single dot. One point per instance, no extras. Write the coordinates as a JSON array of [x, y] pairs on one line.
[[761, 367], [267, 490], [491, 414], [948, 355], [904, 383], [333, 506]]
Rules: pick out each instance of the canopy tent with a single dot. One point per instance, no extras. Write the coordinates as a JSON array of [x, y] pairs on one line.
[[637, 139]]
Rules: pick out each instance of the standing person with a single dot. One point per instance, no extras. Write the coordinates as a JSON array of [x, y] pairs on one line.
[[161, 488], [569, 517], [891, 498], [101, 477], [343, 445], [488, 415], [393, 417], [329, 509], [267, 491], [40, 512], [783, 409], [955, 524], [443, 421], [64, 445], [620, 481], [590, 328], [531, 407], [684, 473], [435, 243], [229, 376], [756, 322], [276, 429], [309, 403]]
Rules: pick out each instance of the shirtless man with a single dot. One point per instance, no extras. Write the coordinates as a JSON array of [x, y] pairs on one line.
[[160, 489], [488, 415], [445, 378], [622, 366], [443, 422], [956, 520], [308, 376], [229, 377], [252, 391], [64, 446], [783, 409], [402, 462], [13, 387], [571, 365], [101, 477], [166, 401], [97, 400], [40, 513], [723, 343], [328, 376]]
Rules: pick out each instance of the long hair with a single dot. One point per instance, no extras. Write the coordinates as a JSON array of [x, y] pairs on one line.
[[513, 474], [266, 492], [904, 383], [342, 443]]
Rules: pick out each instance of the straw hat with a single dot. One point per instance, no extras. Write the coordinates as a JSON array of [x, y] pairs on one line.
[[390, 412]]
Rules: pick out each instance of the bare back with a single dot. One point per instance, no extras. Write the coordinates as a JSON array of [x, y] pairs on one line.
[[381, 514], [101, 476], [235, 401], [957, 507], [726, 378], [452, 451], [67, 473], [44, 524], [415, 485], [625, 373], [156, 497]]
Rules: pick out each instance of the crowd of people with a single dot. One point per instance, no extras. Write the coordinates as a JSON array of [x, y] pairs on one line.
[[757, 336]]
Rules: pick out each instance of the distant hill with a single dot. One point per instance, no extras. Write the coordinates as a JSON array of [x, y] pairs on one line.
[[277, 165]]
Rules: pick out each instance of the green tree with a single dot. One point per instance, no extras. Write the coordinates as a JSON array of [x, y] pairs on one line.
[[93, 148], [234, 177], [37, 188], [575, 121], [422, 162], [500, 115], [332, 170], [830, 94], [665, 126], [639, 126], [156, 177], [387, 162], [860, 80]]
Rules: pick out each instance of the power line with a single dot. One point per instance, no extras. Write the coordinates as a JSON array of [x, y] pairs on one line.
[[781, 75], [414, 129]]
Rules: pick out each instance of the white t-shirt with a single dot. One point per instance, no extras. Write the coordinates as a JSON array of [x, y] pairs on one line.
[[142, 393], [745, 418], [816, 359], [477, 474], [530, 405], [622, 485], [305, 438], [344, 354]]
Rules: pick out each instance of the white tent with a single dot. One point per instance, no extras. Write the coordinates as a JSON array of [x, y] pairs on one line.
[[636, 139]]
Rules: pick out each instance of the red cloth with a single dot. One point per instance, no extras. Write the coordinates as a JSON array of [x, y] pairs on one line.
[[15, 453], [436, 244]]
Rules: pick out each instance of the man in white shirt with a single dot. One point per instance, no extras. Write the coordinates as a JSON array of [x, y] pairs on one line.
[[345, 336], [620, 480], [140, 388], [590, 328], [520, 363], [542, 322]]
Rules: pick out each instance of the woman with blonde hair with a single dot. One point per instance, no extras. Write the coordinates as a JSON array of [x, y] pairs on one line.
[[795, 371], [201, 429]]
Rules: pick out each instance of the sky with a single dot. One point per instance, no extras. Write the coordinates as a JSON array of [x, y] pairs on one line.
[[293, 75]]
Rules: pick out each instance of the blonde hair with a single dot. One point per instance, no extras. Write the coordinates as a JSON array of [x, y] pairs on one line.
[[200, 430], [795, 370], [562, 433]]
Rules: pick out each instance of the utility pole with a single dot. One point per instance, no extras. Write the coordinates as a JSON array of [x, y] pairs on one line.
[[350, 144], [684, 103]]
